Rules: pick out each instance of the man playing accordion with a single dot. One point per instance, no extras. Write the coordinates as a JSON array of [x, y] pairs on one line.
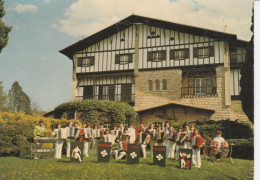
[[151, 131], [197, 142], [142, 139], [170, 145]]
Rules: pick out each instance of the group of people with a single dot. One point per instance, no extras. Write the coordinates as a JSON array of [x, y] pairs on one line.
[[119, 137]]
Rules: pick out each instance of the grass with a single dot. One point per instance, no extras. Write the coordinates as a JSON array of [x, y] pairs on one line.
[[50, 168]]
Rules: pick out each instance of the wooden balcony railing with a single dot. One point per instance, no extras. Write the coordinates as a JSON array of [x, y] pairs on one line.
[[198, 91], [123, 98]]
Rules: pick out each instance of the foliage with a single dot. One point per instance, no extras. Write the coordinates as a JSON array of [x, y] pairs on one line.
[[91, 110], [3, 98], [16, 131], [230, 129], [17, 168], [18, 100], [247, 78], [4, 30], [243, 148]]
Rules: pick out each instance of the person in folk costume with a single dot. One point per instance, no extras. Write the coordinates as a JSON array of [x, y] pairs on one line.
[[122, 150], [121, 128], [59, 142], [186, 138], [143, 139], [39, 131], [76, 131], [160, 136], [88, 138], [131, 133], [70, 133], [179, 144], [192, 129], [151, 131], [95, 138], [101, 132], [219, 139], [170, 144], [83, 139], [197, 141], [76, 153], [137, 131], [115, 131], [167, 126]]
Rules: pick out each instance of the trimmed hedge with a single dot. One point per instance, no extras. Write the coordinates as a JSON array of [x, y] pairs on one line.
[[117, 112], [243, 148], [16, 131]]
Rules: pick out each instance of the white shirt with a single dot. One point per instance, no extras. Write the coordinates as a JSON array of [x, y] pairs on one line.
[[219, 140], [131, 133]]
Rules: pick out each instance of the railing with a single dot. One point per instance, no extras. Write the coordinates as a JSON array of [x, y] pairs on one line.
[[236, 59], [123, 98], [198, 91]]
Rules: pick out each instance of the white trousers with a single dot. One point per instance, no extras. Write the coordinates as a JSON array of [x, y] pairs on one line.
[[178, 147], [152, 144], [58, 149], [170, 148], [196, 157], [94, 146], [86, 149], [121, 155], [68, 146], [77, 156], [187, 145], [143, 147]]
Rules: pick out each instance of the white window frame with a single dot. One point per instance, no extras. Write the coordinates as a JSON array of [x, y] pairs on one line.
[[203, 52], [124, 59], [199, 86]]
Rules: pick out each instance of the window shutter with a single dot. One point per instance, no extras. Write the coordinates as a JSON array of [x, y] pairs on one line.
[[195, 52], [163, 54], [149, 56], [130, 58], [211, 51], [172, 54], [187, 53], [112, 92], [92, 61], [117, 59], [79, 63], [209, 81], [191, 82]]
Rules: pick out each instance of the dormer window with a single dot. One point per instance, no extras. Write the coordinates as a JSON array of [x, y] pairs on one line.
[[123, 59], [156, 56], [86, 61]]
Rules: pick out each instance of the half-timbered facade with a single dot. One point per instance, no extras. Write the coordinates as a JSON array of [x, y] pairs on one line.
[[167, 71]]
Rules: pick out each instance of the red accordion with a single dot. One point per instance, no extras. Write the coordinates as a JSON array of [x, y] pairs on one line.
[[180, 138], [199, 141]]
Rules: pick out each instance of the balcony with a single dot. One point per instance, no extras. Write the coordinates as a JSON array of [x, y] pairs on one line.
[[236, 59], [199, 91], [123, 98]]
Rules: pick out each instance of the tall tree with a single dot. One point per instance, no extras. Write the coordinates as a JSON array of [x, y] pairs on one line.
[[247, 78], [3, 98], [4, 30], [18, 100]]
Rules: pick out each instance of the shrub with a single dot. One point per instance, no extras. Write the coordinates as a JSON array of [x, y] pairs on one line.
[[16, 131], [243, 148], [91, 110]]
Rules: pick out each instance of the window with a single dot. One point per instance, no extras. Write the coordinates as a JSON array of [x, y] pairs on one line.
[[150, 83], [105, 93], [124, 92], [179, 54], [88, 92], [200, 85], [86, 61], [156, 124], [157, 85], [156, 56], [107, 125], [164, 82], [203, 52], [123, 58]]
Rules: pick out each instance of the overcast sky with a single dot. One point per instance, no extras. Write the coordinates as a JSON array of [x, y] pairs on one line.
[[41, 28]]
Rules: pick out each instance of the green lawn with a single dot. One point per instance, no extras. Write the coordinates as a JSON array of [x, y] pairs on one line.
[[50, 168]]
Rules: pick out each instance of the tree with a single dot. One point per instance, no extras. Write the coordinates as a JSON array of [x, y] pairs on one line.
[[18, 100], [247, 78], [4, 30], [3, 98]]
